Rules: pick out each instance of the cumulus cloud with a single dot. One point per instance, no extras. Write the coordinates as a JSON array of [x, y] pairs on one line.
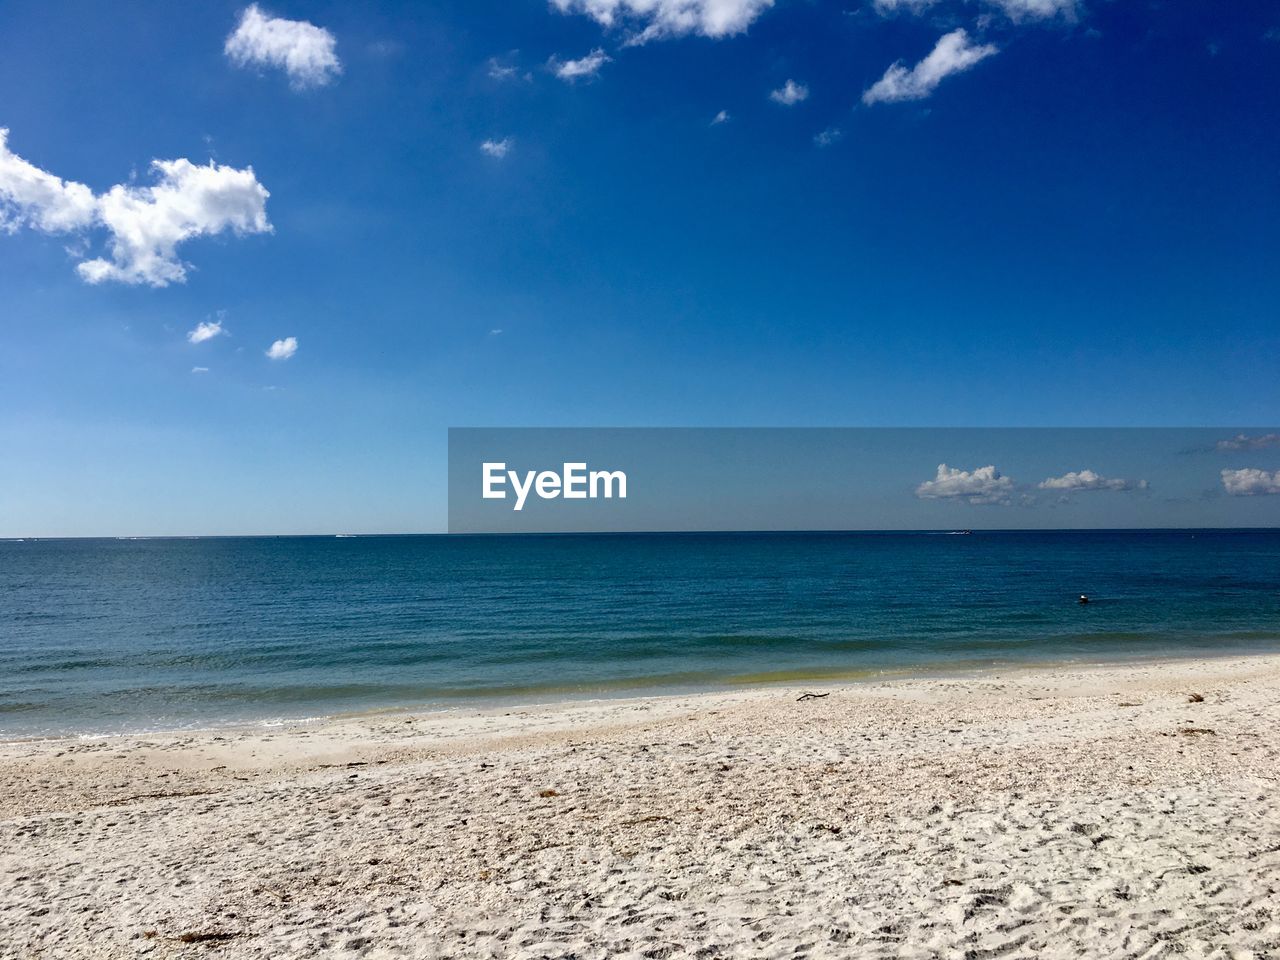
[[145, 224], [497, 148], [206, 330], [1243, 441], [1250, 482], [148, 223], [587, 67], [790, 93], [31, 197], [721, 117], [301, 49], [1087, 480], [981, 486], [954, 53], [656, 19], [283, 349]]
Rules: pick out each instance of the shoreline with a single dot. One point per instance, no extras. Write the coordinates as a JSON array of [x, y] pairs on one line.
[[1085, 810], [970, 670]]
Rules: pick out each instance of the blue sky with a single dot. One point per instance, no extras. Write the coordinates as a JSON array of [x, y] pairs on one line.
[[1066, 217]]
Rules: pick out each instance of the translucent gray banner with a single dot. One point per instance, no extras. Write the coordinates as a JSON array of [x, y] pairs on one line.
[[565, 480]]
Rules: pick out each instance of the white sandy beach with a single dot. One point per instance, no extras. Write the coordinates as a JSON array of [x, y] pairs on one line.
[[1067, 812]]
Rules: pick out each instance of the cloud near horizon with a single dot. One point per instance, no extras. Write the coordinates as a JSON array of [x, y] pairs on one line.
[[1250, 482], [301, 49], [985, 485], [145, 224], [1088, 480], [1242, 441], [953, 53], [657, 19]]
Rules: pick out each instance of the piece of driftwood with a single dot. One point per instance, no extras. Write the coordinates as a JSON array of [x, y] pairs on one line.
[[812, 696]]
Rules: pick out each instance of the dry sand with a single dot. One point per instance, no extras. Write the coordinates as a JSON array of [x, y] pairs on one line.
[[1052, 813]]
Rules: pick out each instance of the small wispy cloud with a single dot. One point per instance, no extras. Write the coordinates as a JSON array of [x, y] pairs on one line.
[[828, 136], [1088, 480], [985, 485], [1016, 10], [1250, 482], [205, 330], [497, 148], [953, 53], [584, 68], [887, 7], [283, 349], [505, 72], [301, 49], [1020, 10], [199, 369], [721, 117], [1243, 441], [790, 93]]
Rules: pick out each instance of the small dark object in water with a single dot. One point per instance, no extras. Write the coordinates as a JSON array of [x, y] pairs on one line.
[[1084, 598]]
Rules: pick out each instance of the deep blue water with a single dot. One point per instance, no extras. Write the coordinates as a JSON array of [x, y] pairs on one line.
[[105, 635]]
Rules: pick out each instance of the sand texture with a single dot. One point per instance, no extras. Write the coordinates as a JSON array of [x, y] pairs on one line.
[[1066, 812]]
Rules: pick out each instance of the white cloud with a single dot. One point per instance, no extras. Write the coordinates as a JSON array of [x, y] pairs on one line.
[[790, 93], [671, 18], [1250, 482], [981, 486], [301, 49], [497, 148], [1019, 10], [886, 7], [146, 224], [501, 71], [1087, 480], [584, 67], [721, 117], [206, 330], [31, 197], [199, 369], [505, 71], [952, 54], [829, 136], [283, 349], [1016, 10], [1242, 441]]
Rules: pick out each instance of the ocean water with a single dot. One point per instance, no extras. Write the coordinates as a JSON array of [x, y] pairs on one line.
[[125, 635]]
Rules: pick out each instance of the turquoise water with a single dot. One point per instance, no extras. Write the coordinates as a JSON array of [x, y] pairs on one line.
[[110, 635]]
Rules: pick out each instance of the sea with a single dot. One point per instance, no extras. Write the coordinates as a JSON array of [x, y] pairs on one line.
[[130, 635]]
